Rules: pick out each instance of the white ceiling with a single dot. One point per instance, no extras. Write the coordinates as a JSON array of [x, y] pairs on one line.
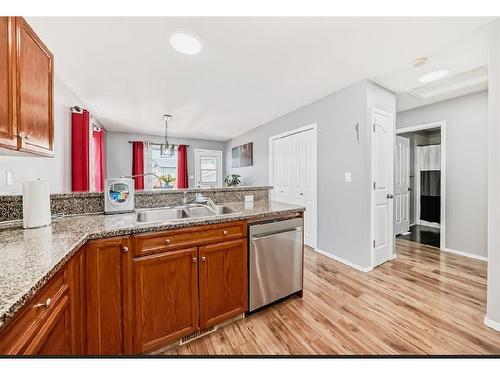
[[250, 71]]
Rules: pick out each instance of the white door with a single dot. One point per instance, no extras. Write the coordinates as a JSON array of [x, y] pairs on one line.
[[282, 161], [402, 186], [208, 168], [303, 146], [382, 182], [294, 175]]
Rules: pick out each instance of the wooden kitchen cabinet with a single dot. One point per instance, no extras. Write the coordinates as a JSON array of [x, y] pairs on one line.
[[109, 296], [223, 281], [7, 63], [48, 324], [165, 298], [26, 83]]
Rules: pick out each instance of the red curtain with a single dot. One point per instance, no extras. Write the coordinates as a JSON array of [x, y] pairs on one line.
[[80, 179], [138, 164], [98, 169], [182, 167]]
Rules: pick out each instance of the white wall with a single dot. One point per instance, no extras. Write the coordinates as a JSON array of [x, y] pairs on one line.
[[343, 209], [466, 166], [119, 152], [56, 170]]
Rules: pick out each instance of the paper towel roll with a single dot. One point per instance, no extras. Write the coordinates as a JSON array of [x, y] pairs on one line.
[[36, 204]]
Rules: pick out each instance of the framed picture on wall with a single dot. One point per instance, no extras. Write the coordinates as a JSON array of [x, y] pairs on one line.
[[242, 155]]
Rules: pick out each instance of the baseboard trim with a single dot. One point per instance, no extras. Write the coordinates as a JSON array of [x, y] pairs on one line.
[[343, 261], [492, 324], [465, 254]]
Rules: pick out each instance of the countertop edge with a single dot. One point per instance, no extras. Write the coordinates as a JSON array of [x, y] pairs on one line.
[[152, 227]]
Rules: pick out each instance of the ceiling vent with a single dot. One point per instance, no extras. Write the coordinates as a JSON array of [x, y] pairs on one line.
[[456, 85]]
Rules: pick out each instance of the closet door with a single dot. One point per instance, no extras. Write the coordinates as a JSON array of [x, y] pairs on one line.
[[282, 179], [303, 176]]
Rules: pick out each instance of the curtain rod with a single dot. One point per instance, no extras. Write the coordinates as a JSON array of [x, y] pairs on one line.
[[156, 144]]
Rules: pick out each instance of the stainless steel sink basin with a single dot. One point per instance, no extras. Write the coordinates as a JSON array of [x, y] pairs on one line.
[[182, 212], [197, 211], [162, 214]]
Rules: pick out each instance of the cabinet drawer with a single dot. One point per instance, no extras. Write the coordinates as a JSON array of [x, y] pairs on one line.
[[145, 244], [17, 335]]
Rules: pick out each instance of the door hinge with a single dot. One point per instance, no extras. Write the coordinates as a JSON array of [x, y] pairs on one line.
[[373, 126], [374, 185], [373, 243]]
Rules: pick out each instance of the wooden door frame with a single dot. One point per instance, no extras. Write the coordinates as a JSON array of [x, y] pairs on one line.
[[219, 170], [442, 126], [302, 129], [375, 110]]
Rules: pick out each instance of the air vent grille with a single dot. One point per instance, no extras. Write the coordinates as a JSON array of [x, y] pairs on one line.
[[197, 334]]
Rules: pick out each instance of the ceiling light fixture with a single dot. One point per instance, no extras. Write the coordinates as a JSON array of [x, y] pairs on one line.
[[433, 76], [419, 62], [185, 43]]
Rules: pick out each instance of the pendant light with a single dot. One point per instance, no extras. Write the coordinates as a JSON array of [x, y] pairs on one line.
[[166, 148]]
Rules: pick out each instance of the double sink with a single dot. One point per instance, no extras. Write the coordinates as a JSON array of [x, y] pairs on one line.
[[181, 212]]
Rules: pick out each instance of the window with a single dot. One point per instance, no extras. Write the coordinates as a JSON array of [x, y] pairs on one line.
[[165, 167]]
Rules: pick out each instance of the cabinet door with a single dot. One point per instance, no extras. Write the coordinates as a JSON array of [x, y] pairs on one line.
[[165, 298], [34, 84], [54, 336], [7, 121], [108, 264], [223, 281]]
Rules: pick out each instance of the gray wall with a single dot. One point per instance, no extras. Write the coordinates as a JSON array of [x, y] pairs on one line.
[[56, 170], [466, 166], [343, 209], [119, 152]]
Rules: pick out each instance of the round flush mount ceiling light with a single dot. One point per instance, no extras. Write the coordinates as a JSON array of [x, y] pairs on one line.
[[185, 43], [433, 76]]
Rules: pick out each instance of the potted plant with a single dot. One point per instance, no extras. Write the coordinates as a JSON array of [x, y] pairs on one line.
[[232, 180], [169, 181]]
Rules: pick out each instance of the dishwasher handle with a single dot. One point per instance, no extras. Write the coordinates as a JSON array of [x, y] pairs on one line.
[[264, 236]]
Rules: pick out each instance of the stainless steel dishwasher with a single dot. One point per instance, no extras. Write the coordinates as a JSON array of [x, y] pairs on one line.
[[275, 261]]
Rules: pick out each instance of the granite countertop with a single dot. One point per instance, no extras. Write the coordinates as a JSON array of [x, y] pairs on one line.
[[29, 257]]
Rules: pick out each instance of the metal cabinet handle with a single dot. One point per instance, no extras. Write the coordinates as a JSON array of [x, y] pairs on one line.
[[203, 259], [124, 249], [167, 241], [225, 232], [44, 305]]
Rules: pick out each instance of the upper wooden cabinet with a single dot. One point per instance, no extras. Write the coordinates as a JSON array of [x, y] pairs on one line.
[[8, 131], [26, 75], [108, 263]]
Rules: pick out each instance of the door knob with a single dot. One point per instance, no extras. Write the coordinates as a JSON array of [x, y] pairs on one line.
[[301, 193], [194, 260], [203, 259], [167, 241], [390, 196], [125, 249], [225, 233], [410, 189]]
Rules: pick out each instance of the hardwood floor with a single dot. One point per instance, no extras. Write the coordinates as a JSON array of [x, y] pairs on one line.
[[423, 302]]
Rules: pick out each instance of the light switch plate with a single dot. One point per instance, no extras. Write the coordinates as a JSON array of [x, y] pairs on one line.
[[347, 177], [9, 181]]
